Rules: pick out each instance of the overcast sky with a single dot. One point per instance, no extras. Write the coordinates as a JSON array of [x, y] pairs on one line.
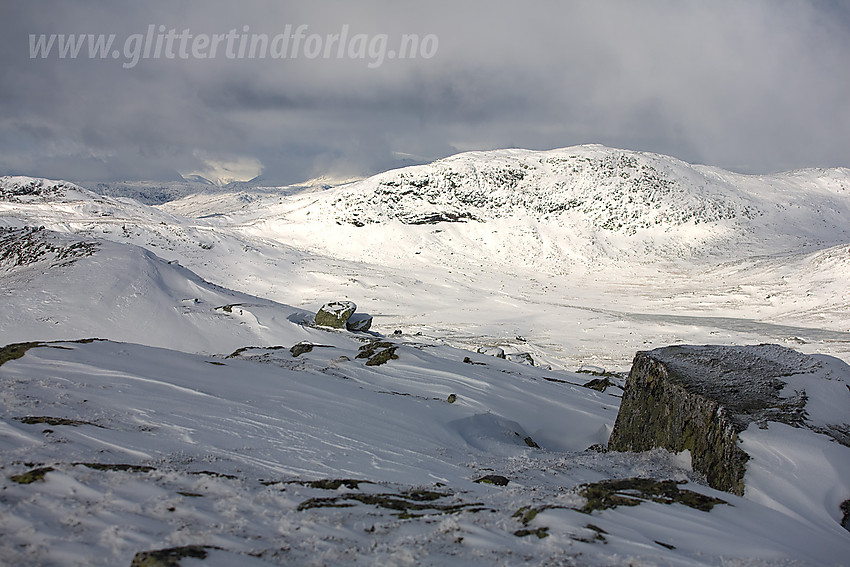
[[752, 86]]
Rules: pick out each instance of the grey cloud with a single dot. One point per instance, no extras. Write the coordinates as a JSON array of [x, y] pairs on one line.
[[756, 86]]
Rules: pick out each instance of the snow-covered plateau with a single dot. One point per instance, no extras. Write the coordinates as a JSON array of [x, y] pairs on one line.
[[165, 390]]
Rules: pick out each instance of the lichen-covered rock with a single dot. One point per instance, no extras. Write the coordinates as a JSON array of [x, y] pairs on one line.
[[359, 322], [335, 314], [699, 398]]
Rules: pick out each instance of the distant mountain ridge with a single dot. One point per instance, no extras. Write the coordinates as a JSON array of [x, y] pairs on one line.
[[617, 190], [575, 206]]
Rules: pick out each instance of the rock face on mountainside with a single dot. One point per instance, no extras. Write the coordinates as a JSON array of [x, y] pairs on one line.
[[617, 190], [700, 398]]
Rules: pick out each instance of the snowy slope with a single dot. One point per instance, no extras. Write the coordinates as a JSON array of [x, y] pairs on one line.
[[162, 449], [60, 286]]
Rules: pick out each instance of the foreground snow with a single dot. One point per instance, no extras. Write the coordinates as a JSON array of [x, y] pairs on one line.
[[221, 453]]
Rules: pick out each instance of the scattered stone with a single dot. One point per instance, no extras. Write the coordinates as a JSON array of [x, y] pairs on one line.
[[468, 360], [335, 314], [495, 479], [452, 398]]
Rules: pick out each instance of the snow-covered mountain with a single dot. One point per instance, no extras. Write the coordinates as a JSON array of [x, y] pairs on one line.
[[196, 423], [593, 204]]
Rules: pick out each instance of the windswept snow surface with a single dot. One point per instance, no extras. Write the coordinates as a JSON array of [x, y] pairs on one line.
[[577, 257], [229, 443]]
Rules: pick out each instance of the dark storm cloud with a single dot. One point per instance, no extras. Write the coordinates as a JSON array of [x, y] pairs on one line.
[[752, 86]]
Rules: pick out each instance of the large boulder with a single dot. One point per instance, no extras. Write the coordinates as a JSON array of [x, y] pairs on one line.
[[359, 322], [700, 398], [335, 314]]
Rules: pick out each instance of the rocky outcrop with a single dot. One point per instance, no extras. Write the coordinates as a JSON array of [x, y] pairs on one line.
[[699, 398]]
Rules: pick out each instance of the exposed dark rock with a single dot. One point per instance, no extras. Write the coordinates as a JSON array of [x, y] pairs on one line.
[[378, 352], [28, 245], [434, 218], [405, 505], [29, 477], [699, 398], [599, 384], [845, 510], [382, 357], [495, 479], [633, 491], [240, 351], [539, 532], [300, 348], [54, 421], [169, 557], [332, 483], [15, 351]]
